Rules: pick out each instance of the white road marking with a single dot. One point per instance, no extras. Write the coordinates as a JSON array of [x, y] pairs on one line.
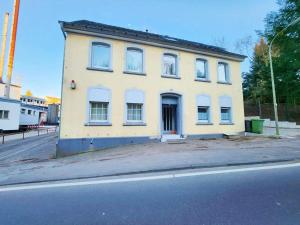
[[145, 178]]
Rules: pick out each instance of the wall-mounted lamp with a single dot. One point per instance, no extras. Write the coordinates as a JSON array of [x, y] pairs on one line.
[[73, 85]]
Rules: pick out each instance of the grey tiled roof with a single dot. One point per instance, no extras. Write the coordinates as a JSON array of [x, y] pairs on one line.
[[99, 28]]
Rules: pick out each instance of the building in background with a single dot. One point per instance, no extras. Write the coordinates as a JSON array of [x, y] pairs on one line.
[[53, 114], [32, 115], [37, 111], [31, 100], [10, 108], [53, 110], [33, 111], [130, 86], [9, 114]]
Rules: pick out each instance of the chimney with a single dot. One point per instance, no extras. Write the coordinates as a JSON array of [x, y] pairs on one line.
[[3, 45], [12, 47]]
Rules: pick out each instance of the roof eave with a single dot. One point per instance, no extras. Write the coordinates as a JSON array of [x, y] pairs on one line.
[[73, 29]]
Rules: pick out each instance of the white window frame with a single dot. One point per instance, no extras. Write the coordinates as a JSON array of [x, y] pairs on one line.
[[142, 112], [132, 47], [229, 114], [206, 67], [98, 94], [203, 101], [104, 43], [90, 109], [23, 111], [225, 101], [207, 112], [29, 112], [227, 72], [134, 96], [176, 75]]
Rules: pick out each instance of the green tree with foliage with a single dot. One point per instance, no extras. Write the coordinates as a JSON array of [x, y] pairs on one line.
[[285, 55]]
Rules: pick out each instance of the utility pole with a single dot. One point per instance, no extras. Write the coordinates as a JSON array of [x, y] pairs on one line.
[[3, 45], [272, 72], [12, 47]]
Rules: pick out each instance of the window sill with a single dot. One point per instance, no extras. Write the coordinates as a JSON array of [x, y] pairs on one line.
[[226, 123], [99, 69], [134, 73], [222, 82], [204, 123], [134, 124], [98, 124], [171, 76], [202, 80]]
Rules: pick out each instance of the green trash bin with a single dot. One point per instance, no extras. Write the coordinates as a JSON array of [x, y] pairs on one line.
[[257, 126]]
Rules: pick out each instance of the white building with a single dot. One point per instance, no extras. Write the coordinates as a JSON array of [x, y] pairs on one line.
[[9, 114], [32, 115], [31, 100], [10, 108]]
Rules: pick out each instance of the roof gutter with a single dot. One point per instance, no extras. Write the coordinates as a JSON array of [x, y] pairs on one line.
[[76, 31], [62, 29]]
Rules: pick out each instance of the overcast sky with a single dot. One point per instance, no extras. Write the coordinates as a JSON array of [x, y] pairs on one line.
[[39, 49]]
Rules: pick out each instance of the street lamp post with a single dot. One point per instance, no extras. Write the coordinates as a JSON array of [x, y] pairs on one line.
[[272, 73]]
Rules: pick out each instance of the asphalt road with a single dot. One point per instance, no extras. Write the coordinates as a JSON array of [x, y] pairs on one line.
[[265, 197]]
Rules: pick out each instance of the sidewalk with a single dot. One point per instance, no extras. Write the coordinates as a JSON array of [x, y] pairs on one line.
[[30, 133], [154, 157]]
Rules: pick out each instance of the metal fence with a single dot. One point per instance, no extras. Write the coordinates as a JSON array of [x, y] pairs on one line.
[[266, 111], [27, 133]]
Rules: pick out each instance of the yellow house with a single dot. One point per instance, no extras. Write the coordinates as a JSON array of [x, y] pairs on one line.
[[123, 86]]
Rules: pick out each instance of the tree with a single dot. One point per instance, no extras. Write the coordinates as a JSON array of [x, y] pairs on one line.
[[28, 93], [287, 47], [285, 55]]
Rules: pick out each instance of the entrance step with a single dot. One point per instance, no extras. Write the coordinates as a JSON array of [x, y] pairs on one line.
[[171, 138]]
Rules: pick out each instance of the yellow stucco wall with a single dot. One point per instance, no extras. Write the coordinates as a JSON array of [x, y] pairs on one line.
[[74, 102]]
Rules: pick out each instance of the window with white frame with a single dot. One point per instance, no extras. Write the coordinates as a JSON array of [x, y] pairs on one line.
[[23, 111], [170, 64], [99, 106], [225, 109], [223, 72], [203, 114], [98, 112], [4, 114], [201, 69], [134, 60], [203, 108], [134, 112], [225, 114], [29, 112], [100, 55], [134, 106]]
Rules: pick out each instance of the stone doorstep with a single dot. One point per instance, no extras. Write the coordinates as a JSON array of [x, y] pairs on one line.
[[171, 137]]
